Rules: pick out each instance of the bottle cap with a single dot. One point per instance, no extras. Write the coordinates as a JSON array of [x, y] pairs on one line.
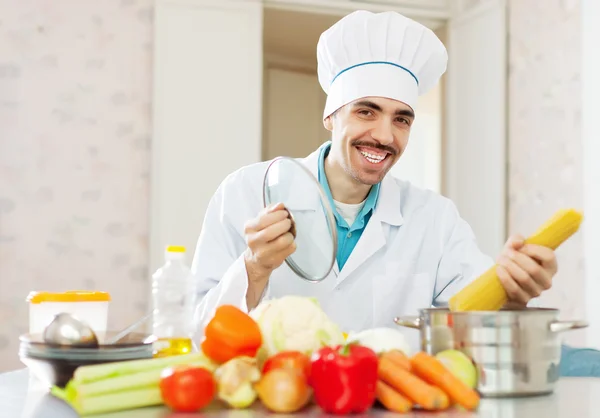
[[174, 252], [175, 249]]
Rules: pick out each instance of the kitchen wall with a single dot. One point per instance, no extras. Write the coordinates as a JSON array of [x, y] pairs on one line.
[[75, 119], [544, 130]]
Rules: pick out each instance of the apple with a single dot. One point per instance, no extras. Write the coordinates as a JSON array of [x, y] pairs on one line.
[[459, 365]]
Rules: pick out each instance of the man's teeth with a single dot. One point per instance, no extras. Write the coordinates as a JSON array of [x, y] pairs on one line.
[[373, 158]]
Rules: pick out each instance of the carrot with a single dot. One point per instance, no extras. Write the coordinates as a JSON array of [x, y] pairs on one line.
[[392, 400], [434, 372], [399, 358], [427, 396]]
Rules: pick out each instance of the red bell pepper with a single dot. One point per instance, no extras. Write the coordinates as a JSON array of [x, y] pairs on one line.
[[344, 378]]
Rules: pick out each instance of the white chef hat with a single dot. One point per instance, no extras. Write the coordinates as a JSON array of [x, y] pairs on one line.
[[378, 55]]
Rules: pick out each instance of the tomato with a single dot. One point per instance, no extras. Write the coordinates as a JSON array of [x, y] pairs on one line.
[[186, 388], [294, 360]]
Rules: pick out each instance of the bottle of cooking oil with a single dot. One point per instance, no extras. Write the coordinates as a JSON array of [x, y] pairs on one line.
[[173, 299]]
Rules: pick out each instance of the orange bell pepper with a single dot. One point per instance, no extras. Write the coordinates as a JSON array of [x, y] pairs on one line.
[[231, 333]]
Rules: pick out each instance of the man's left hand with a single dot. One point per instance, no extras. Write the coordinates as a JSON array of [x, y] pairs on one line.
[[525, 270]]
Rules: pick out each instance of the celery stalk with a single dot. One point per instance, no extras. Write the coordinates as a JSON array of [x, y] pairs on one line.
[[96, 372], [114, 402], [118, 386], [140, 379]]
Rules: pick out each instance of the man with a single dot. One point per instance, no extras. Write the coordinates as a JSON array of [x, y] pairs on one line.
[[400, 248]]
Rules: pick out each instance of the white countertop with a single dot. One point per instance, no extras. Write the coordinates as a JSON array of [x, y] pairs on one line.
[[22, 396]]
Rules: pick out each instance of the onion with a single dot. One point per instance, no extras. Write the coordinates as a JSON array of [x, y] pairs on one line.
[[283, 390], [235, 380]]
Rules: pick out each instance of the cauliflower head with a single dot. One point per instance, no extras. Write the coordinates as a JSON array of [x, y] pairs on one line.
[[295, 323]]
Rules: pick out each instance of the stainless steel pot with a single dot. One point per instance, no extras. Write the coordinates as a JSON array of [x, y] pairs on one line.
[[516, 352]]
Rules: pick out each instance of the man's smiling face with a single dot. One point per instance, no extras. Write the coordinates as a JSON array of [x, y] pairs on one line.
[[368, 137]]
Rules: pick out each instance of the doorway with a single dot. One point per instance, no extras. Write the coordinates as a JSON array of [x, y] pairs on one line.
[[473, 111], [293, 98]]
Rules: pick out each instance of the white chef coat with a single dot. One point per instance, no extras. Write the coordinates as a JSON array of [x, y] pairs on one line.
[[415, 252]]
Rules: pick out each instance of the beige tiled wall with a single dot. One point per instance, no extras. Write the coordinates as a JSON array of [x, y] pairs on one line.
[[75, 119], [545, 151]]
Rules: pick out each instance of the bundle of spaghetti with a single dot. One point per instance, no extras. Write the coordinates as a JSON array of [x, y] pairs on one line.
[[486, 293]]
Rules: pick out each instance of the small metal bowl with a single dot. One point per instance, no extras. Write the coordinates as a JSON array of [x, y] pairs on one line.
[[54, 365]]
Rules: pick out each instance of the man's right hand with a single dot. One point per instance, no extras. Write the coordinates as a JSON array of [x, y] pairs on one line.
[[270, 242]]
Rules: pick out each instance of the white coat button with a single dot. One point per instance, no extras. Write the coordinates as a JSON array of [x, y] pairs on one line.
[[349, 235]]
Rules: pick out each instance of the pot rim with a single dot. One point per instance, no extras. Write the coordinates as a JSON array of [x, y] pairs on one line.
[[503, 312]]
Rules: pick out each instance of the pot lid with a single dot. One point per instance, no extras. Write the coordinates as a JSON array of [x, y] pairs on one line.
[[289, 182]]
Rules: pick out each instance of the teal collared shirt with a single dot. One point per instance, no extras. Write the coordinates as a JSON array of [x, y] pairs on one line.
[[347, 235]]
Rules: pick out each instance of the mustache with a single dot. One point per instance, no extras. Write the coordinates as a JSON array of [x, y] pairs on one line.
[[363, 143]]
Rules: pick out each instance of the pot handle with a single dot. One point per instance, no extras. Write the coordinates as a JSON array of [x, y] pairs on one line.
[[409, 321], [560, 326]]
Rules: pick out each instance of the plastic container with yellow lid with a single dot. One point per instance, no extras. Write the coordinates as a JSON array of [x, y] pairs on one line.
[[89, 306]]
